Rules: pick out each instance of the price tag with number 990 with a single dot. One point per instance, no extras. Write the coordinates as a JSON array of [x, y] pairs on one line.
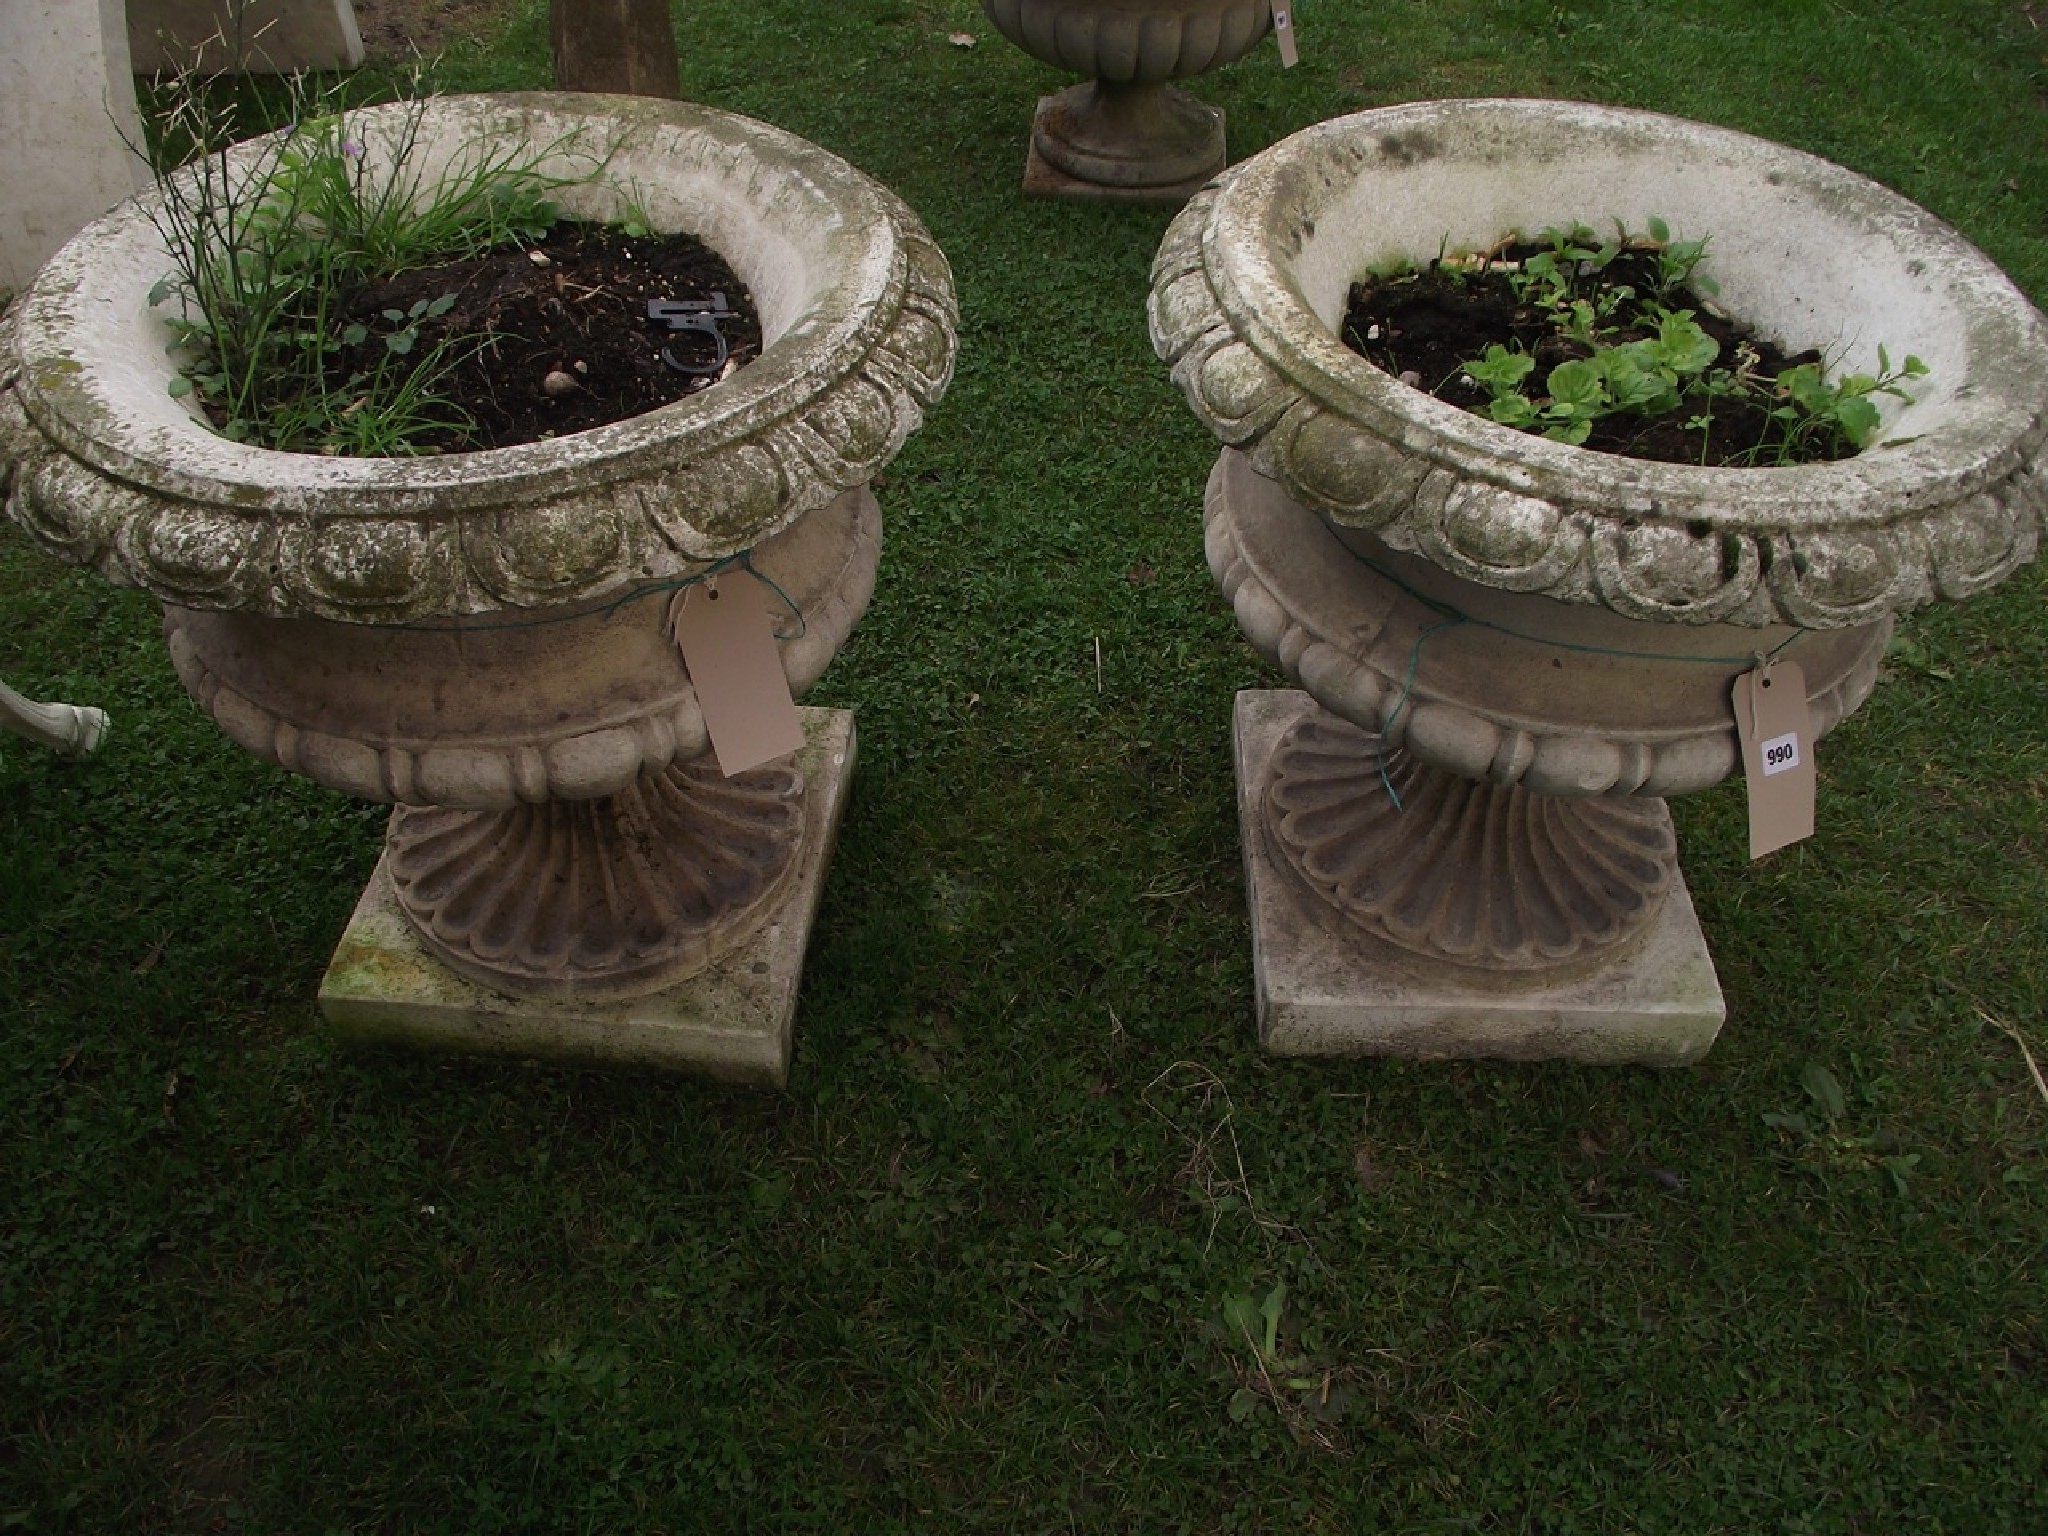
[[1780, 753], [1775, 731]]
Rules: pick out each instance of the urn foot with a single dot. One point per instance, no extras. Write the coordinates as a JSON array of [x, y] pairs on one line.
[[1353, 955], [1468, 871], [600, 898], [1149, 143], [732, 1019]]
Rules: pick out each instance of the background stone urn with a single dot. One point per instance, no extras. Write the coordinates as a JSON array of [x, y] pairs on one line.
[[485, 639], [1512, 648], [1126, 135]]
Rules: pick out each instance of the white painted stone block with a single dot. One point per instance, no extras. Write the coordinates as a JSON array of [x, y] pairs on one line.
[[67, 104]]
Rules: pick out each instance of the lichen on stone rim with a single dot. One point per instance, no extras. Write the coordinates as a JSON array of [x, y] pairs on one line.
[[856, 298], [1825, 545]]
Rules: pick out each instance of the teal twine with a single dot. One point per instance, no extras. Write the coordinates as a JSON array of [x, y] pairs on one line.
[[1408, 687], [742, 560], [1453, 617]]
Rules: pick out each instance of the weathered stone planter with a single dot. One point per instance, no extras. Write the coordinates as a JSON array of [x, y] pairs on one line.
[[1126, 135], [1514, 647], [484, 639]]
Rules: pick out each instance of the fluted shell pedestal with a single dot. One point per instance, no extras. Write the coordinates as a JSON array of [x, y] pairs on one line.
[[1455, 840], [733, 1018], [1327, 986]]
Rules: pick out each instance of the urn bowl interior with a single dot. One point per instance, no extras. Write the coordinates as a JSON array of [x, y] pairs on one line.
[[1804, 251], [803, 230]]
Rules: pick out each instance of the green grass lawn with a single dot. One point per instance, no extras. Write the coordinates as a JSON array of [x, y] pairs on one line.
[[986, 1264]]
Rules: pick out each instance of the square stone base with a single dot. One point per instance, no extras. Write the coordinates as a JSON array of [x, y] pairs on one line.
[[733, 1021], [1322, 992], [1044, 179]]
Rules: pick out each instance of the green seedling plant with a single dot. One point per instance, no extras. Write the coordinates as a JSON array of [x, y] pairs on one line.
[[269, 249], [1550, 280], [1648, 356], [1647, 376], [1255, 1322], [1565, 256], [1678, 262], [406, 334], [1816, 408], [381, 411], [1309, 1397]]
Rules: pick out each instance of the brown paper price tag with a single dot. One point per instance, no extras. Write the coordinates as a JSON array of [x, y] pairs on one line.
[[1776, 731], [1283, 32], [726, 634]]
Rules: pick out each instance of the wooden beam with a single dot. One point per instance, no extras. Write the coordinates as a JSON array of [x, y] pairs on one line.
[[622, 46]]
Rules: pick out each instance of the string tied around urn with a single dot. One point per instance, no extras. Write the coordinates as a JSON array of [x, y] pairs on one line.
[[1454, 617], [1473, 873]]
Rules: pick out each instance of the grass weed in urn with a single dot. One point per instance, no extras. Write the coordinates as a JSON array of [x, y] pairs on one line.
[[332, 293]]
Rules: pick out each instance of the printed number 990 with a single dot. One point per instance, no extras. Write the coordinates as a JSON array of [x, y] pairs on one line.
[[1780, 753]]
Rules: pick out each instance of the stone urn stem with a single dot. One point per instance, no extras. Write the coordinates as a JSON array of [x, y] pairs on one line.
[[600, 898], [1130, 136], [1470, 871]]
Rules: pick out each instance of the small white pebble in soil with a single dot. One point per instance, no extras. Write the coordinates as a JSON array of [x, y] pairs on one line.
[[540, 258], [1411, 378], [580, 366], [1372, 333], [558, 383]]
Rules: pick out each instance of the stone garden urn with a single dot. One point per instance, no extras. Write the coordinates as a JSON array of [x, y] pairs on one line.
[[484, 640], [1512, 649], [1125, 135]]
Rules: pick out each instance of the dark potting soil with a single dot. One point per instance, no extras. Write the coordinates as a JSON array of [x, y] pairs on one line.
[[555, 338], [1423, 326]]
